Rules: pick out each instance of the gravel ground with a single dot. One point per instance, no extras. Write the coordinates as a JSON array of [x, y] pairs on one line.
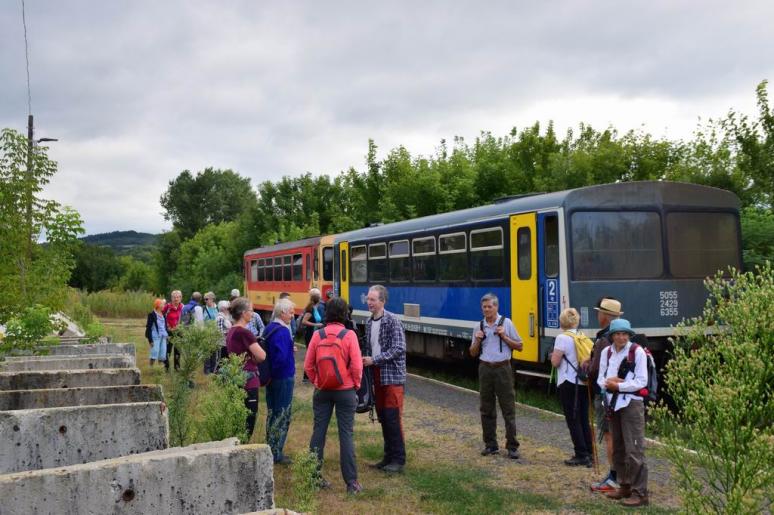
[[543, 435]]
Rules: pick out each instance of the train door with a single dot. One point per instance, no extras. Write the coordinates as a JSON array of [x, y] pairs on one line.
[[524, 291], [344, 270]]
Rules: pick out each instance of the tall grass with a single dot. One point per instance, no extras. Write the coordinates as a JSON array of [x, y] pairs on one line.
[[116, 304]]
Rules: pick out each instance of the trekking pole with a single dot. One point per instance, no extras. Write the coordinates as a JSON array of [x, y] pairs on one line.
[[594, 455]]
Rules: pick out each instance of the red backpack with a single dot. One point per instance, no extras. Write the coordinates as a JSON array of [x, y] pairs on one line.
[[329, 361]]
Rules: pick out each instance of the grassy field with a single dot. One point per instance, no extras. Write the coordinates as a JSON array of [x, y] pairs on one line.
[[443, 475]]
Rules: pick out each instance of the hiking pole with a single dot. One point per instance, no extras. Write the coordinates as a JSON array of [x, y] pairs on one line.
[[594, 455]]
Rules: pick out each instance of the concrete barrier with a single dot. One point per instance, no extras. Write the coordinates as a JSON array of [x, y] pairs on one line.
[[60, 397], [55, 437], [68, 378], [212, 479], [73, 363], [91, 348]]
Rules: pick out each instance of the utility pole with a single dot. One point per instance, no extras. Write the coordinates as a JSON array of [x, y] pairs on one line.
[[27, 259]]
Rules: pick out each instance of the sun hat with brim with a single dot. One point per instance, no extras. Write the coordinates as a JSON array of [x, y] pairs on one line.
[[620, 325], [610, 306]]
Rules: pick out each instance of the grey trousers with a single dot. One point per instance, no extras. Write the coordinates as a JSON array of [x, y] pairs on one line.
[[345, 402], [627, 427], [496, 386]]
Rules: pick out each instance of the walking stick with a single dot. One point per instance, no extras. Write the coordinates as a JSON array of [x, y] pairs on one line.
[[594, 456]]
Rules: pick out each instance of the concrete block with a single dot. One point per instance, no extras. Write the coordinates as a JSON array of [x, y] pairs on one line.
[[60, 397], [91, 348], [68, 378], [72, 363], [182, 480], [55, 437]]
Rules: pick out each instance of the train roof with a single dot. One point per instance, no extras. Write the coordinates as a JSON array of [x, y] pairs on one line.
[[629, 194], [288, 245]]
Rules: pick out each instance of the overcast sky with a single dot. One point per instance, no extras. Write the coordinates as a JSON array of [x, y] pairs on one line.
[[137, 91]]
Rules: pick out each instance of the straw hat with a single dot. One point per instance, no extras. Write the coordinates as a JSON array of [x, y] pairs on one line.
[[610, 306]]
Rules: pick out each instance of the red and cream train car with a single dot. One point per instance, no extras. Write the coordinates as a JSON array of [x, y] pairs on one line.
[[294, 267]]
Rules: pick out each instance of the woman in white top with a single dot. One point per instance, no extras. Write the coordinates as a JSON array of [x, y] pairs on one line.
[[573, 392]]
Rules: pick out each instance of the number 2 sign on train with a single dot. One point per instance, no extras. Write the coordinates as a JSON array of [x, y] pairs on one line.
[[649, 244]]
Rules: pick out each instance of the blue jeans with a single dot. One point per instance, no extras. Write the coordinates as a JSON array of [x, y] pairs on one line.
[[279, 398], [159, 350]]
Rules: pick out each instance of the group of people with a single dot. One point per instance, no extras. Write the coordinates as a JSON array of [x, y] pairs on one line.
[[337, 358], [615, 385]]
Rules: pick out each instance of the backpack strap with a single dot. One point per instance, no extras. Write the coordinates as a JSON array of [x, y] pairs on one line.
[[342, 334], [321, 332]]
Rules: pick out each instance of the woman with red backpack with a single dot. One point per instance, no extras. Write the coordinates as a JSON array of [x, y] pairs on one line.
[[334, 365]]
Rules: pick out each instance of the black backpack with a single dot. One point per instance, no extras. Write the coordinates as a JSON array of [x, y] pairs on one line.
[[366, 396], [650, 392], [264, 367], [499, 324]]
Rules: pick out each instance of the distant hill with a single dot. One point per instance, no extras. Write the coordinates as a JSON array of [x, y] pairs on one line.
[[125, 243]]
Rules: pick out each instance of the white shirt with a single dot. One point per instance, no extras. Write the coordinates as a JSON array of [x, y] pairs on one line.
[[564, 372], [490, 345], [633, 382], [376, 349], [198, 314]]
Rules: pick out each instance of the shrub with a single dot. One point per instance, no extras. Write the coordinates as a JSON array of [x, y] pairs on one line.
[[27, 330], [223, 405], [195, 343], [721, 377], [306, 481]]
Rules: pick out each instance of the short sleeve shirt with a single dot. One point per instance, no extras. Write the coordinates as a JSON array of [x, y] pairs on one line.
[[238, 341], [490, 347], [564, 371]]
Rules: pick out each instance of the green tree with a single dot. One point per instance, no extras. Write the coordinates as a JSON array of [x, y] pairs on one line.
[[32, 273], [96, 267], [757, 236], [211, 260], [165, 260], [212, 196], [136, 276], [720, 378]]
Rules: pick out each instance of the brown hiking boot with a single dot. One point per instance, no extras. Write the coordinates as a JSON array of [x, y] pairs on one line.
[[622, 493], [634, 501]]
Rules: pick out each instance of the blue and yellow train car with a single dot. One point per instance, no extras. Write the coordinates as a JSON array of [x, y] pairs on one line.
[[649, 244]]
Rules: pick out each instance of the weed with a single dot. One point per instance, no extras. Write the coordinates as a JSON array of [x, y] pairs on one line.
[[306, 481]]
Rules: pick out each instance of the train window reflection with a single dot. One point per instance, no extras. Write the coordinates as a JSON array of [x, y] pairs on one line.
[[358, 264], [551, 233], [423, 250], [261, 270], [327, 263], [277, 268], [298, 262], [400, 262], [486, 254], [287, 274], [524, 253], [377, 262], [254, 270], [700, 244], [452, 257], [619, 245]]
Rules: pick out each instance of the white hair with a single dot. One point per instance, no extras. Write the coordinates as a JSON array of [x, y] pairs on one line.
[[283, 306], [223, 305]]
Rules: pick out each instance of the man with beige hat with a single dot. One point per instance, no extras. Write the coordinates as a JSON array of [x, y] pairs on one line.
[[608, 309]]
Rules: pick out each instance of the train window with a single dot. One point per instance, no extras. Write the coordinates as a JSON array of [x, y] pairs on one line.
[[400, 262], [261, 270], [486, 254], [616, 245], [287, 268], [343, 265], [277, 268], [316, 269], [377, 262], [308, 268], [524, 253], [452, 257], [298, 263], [254, 270], [551, 242], [700, 244], [327, 263], [423, 251], [269, 270], [358, 264]]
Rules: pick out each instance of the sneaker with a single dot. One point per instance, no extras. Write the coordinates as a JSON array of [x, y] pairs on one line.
[[608, 485], [393, 468], [379, 465], [354, 488], [513, 454], [490, 450]]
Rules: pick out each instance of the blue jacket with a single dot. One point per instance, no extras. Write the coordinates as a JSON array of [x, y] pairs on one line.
[[282, 361]]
